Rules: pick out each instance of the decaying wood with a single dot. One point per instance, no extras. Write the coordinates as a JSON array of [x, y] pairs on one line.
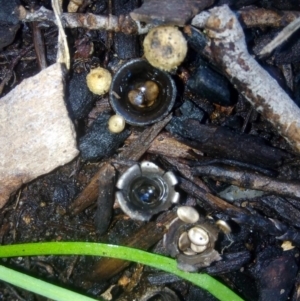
[[208, 200], [89, 21], [137, 148], [261, 17], [144, 238], [106, 199], [251, 17], [184, 169], [162, 144], [90, 194], [36, 134], [132, 153], [252, 81], [196, 188], [176, 12], [249, 179], [226, 143]]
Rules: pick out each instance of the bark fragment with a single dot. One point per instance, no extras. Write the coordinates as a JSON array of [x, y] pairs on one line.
[[169, 12]]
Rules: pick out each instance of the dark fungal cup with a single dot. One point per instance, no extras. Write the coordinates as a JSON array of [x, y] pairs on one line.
[[141, 93]]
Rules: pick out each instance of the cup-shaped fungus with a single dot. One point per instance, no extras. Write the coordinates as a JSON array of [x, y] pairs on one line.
[[145, 189], [191, 240], [141, 93]]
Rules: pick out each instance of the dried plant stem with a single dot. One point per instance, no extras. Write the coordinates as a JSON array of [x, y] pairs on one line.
[[229, 51], [281, 37]]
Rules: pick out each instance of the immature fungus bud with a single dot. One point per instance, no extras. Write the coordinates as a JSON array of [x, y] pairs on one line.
[[165, 47], [74, 5], [116, 124], [188, 214], [99, 80], [223, 226]]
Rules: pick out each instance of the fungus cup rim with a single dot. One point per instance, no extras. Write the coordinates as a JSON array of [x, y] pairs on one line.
[[137, 69]]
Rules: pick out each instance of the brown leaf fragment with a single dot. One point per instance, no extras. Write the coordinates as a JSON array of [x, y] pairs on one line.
[[176, 12]]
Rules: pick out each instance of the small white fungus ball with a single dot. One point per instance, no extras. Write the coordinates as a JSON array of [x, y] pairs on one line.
[[116, 124], [98, 80], [165, 47]]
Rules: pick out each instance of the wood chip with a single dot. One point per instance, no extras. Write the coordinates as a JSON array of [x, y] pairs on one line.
[[176, 12]]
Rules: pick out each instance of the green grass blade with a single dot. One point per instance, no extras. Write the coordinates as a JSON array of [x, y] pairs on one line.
[[40, 287], [204, 281]]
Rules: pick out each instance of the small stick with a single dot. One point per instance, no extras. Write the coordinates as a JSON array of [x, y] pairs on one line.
[[89, 21], [229, 50], [261, 17], [209, 200], [281, 37], [249, 179], [39, 46]]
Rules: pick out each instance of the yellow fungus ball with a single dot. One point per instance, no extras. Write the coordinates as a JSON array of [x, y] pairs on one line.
[[116, 124], [98, 80], [165, 47]]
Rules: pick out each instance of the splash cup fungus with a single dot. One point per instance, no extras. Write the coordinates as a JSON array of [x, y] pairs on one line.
[[141, 93], [145, 190]]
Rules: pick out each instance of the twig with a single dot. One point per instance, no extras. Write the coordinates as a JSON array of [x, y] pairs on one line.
[[261, 17], [208, 200], [39, 46], [249, 179], [89, 21], [252, 81], [281, 37]]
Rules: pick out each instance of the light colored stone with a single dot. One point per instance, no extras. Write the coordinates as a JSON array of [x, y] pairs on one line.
[[36, 133]]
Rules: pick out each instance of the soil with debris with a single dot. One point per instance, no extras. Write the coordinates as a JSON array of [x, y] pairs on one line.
[[214, 143]]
